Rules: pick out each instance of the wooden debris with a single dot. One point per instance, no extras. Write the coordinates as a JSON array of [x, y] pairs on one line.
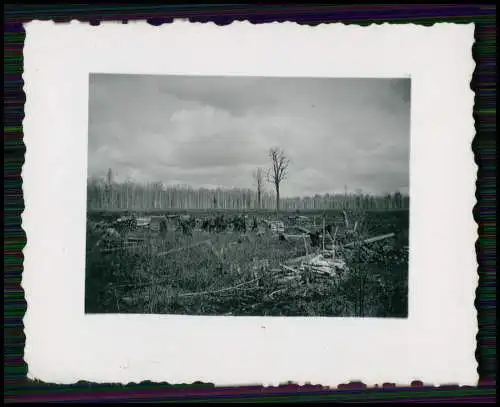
[[372, 239]]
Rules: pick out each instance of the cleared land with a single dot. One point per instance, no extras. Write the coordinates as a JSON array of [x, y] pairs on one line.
[[236, 273]]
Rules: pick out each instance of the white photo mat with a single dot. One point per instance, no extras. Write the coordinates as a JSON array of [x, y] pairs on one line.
[[435, 345]]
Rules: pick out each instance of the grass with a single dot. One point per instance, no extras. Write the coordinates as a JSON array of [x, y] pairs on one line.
[[144, 281]]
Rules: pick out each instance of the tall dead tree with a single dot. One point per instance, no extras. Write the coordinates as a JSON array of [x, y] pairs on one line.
[[278, 171], [258, 177], [109, 189]]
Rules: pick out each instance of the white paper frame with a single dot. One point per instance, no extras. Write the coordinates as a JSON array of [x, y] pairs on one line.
[[435, 344]]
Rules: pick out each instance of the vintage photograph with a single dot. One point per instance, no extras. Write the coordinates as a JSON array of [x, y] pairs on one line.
[[248, 196], [204, 201]]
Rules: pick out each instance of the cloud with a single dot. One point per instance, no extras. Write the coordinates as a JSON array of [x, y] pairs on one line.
[[216, 131]]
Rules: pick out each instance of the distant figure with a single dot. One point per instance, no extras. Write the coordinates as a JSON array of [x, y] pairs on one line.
[[220, 223], [243, 223], [205, 225], [163, 227], [255, 226], [240, 224], [192, 222], [186, 227], [212, 226]]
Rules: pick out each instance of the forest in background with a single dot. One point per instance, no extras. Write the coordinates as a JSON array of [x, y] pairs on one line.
[[106, 194]]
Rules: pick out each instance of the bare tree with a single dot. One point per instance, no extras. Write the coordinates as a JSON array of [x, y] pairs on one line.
[[109, 188], [278, 172], [109, 177], [258, 177]]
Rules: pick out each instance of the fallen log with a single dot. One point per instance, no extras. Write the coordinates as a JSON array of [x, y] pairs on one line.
[[288, 268], [295, 236], [372, 239]]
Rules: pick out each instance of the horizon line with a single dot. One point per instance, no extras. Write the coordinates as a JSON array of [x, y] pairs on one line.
[[188, 187]]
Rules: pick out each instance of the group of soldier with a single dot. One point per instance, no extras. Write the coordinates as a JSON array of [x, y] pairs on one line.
[[187, 223], [218, 224]]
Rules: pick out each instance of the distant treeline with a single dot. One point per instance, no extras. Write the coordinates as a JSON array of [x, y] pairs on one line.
[[146, 196]]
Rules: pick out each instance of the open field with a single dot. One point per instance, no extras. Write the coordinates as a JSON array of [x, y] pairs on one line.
[[238, 273]]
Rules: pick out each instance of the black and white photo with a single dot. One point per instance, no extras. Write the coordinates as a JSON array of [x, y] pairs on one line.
[[249, 204], [254, 196]]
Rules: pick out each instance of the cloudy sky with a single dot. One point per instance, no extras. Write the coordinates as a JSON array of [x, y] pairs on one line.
[[215, 131]]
